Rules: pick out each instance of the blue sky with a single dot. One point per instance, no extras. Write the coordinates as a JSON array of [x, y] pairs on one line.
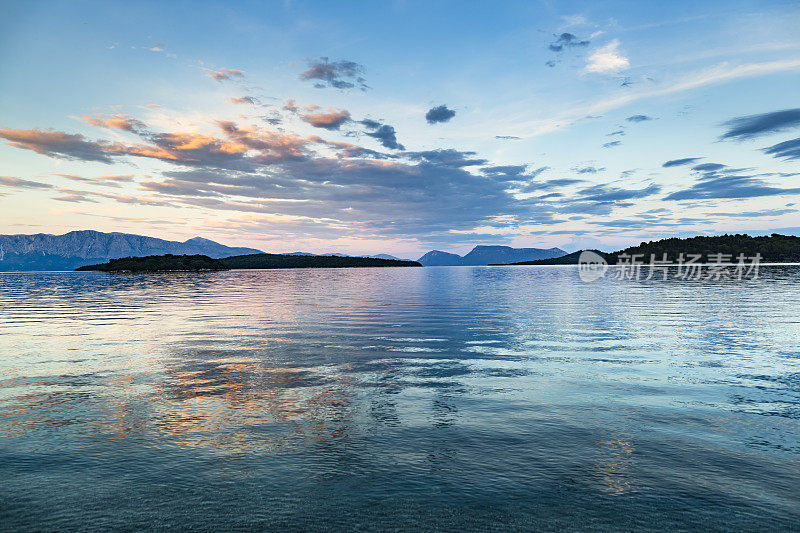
[[400, 127]]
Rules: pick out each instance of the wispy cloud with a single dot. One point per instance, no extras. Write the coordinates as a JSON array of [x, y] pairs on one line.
[[225, 74], [785, 150], [730, 186], [19, 183], [719, 74], [57, 144], [115, 122], [251, 100], [681, 162], [752, 126]]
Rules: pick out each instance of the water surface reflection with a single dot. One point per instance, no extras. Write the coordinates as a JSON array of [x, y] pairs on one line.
[[444, 398]]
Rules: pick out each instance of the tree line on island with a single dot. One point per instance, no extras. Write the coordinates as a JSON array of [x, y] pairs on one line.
[[774, 248], [177, 263]]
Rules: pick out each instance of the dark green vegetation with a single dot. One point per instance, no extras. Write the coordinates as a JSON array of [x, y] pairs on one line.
[[159, 263], [174, 263], [310, 261], [774, 248]]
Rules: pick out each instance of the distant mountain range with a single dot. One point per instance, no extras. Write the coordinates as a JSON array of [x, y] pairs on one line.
[[485, 255], [78, 248]]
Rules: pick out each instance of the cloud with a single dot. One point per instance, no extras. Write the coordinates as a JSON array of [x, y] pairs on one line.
[[115, 122], [638, 118], [433, 195], [338, 74], [19, 183], [507, 137], [509, 173], [449, 157], [612, 144], [588, 170], [371, 124], [56, 144], [439, 114], [729, 186], [607, 59], [785, 150], [754, 214], [750, 126], [566, 40], [225, 74], [75, 198], [384, 133], [708, 167], [680, 162], [331, 120], [606, 193], [240, 148], [548, 185], [291, 106], [252, 100], [109, 180]]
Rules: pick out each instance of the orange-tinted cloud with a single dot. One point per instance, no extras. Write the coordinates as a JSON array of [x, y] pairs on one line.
[[115, 122], [57, 144], [110, 180], [291, 106], [19, 183], [330, 120], [226, 74], [244, 100]]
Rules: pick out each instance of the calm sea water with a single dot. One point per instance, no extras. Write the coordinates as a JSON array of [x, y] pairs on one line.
[[434, 398]]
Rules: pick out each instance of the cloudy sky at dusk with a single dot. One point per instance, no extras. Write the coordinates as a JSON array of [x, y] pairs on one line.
[[400, 127]]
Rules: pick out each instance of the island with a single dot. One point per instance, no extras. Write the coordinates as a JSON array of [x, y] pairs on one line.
[[159, 263], [199, 263], [775, 248]]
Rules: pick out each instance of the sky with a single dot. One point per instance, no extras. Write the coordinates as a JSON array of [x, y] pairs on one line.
[[401, 127]]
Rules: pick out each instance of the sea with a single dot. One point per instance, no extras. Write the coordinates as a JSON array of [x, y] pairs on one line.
[[399, 399]]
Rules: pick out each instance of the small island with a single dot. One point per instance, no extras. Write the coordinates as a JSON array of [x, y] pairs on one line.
[[199, 263], [158, 263]]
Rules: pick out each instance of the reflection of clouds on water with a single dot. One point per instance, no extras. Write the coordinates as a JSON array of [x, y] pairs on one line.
[[439, 385], [248, 404]]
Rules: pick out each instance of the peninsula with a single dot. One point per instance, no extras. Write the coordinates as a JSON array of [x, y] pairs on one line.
[[775, 248]]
